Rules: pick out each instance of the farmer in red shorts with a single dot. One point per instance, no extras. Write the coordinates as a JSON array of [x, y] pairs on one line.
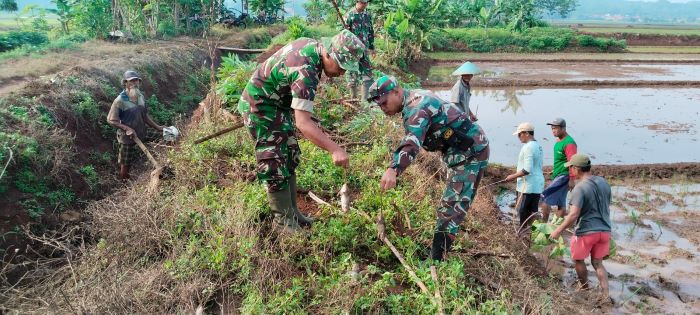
[[589, 207]]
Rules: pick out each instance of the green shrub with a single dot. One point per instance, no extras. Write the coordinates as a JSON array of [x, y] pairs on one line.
[[536, 39], [61, 198], [233, 76], [166, 28], [87, 107], [15, 39], [24, 146], [90, 175], [46, 116], [28, 182], [19, 113], [317, 171], [158, 111], [603, 44], [298, 27], [33, 208]]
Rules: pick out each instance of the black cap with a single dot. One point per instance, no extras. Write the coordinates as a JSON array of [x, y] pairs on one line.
[[557, 122]]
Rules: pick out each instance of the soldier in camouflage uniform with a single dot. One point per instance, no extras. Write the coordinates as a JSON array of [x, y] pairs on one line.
[[284, 86], [359, 22], [436, 125]]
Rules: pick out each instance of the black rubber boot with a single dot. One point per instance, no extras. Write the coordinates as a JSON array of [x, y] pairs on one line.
[[281, 205], [442, 242], [298, 216]]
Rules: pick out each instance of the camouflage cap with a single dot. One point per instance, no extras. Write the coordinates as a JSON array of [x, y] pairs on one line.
[[380, 88], [130, 75], [363, 1], [346, 49]]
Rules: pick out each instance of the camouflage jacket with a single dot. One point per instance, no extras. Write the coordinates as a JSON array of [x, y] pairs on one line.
[[426, 119], [288, 78], [360, 24]]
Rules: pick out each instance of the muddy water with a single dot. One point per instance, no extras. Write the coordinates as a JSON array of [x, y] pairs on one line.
[[656, 270], [575, 71], [614, 126]]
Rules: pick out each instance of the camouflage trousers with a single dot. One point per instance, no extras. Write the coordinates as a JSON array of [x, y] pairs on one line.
[[365, 73], [277, 151], [462, 182]]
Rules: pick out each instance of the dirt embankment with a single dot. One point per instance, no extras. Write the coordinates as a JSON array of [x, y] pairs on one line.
[[79, 142], [636, 39]]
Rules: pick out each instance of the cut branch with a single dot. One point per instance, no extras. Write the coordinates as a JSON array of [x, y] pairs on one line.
[[381, 230], [219, 133]]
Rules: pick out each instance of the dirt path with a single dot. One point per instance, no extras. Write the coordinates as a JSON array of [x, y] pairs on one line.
[[17, 73]]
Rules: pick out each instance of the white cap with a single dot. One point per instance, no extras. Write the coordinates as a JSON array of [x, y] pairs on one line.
[[526, 126]]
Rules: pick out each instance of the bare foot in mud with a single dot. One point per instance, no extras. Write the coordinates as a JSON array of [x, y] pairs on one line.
[[583, 288], [603, 300]]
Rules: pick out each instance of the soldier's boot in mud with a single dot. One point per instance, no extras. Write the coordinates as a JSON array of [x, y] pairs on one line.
[[442, 242], [298, 216], [283, 211]]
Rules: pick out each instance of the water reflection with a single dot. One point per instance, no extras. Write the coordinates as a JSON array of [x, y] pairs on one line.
[[614, 126], [509, 95]]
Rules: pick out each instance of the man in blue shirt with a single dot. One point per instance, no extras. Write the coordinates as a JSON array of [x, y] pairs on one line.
[[530, 180]]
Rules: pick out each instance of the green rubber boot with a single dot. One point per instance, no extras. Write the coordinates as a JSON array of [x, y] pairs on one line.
[[364, 90], [281, 205], [353, 90], [300, 217]]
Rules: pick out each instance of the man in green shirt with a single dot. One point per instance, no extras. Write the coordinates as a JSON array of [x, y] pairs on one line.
[[562, 182]]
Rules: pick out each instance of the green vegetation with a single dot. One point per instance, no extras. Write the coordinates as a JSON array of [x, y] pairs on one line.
[[15, 39], [541, 238], [297, 28], [232, 77], [537, 39], [602, 44]]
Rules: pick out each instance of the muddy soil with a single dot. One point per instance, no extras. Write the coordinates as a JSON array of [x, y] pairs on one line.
[[566, 74], [545, 83], [635, 39], [655, 227]]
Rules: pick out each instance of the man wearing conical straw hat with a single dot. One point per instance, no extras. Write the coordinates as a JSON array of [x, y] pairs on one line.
[[461, 91]]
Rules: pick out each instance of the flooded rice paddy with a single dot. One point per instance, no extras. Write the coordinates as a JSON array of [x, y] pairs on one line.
[[574, 71], [614, 126], [657, 268]]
